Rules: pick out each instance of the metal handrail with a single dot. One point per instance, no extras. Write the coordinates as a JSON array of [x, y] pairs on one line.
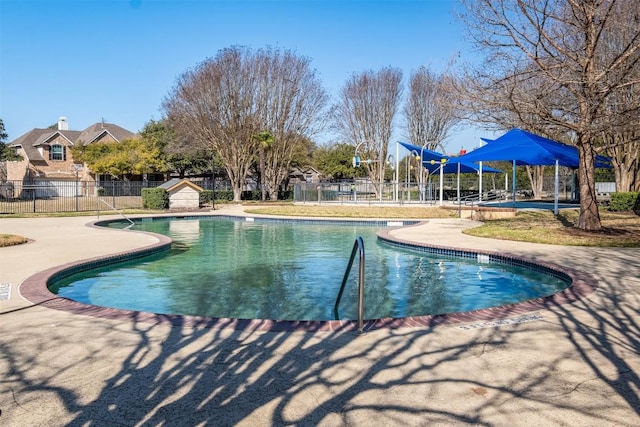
[[117, 211], [358, 246], [487, 196]]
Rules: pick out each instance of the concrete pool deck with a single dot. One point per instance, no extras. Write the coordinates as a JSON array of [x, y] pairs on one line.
[[568, 364]]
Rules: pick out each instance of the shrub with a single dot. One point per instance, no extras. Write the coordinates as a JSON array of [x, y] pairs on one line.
[[251, 195], [206, 197], [224, 195], [624, 202], [155, 198], [285, 195]]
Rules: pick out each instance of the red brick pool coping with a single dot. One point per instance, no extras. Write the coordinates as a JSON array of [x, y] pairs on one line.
[[35, 290]]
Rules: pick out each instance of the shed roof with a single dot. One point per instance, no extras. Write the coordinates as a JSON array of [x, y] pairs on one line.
[[175, 183]]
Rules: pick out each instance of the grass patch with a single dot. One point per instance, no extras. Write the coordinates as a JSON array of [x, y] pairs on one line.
[[378, 212], [619, 229], [11, 240]]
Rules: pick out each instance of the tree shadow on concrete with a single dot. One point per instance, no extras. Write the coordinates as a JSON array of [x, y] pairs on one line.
[[579, 365], [604, 329]]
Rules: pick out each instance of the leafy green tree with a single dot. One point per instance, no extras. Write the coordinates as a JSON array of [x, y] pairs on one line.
[[130, 157], [336, 162], [177, 154], [6, 152], [304, 152]]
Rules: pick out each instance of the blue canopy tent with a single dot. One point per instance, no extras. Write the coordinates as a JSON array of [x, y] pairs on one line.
[[533, 150], [524, 148], [433, 162]]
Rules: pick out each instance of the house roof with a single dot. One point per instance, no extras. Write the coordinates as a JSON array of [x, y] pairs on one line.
[[175, 183], [28, 140], [298, 170], [36, 137], [97, 130]]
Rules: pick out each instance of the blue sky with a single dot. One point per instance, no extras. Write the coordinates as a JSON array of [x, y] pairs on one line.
[[116, 60]]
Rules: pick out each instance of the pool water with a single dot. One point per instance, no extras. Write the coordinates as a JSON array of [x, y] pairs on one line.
[[288, 270]]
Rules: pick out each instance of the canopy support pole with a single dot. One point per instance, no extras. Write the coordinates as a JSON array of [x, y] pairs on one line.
[[555, 196], [480, 183], [458, 183], [513, 184], [441, 183], [396, 178]]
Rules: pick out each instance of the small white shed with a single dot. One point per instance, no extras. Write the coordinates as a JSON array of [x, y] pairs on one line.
[[182, 193]]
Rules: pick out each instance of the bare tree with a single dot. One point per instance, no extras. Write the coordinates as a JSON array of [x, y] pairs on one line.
[[291, 100], [365, 113], [622, 138], [225, 103], [549, 62], [429, 110], [622, 142], [214, 105]]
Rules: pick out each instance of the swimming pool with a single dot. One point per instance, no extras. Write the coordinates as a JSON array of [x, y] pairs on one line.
[[291, 270]]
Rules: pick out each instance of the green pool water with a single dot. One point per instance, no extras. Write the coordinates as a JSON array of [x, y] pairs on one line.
[[292, 271]]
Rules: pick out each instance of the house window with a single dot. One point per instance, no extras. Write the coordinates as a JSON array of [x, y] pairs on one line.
[[57, 152], [308, 177]]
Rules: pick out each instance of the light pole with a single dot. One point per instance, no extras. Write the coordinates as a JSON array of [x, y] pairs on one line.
[[424, 146], [396, 174], [380, 176], [380, 160], [412, 154], [443, 161], [394, 164], [76, 168], [213, 181], [356, 164]]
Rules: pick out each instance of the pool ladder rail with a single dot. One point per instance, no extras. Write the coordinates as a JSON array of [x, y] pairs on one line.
[[358, 247], [131, 223]]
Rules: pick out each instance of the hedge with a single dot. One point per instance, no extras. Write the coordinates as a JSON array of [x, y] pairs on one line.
[[227, 195], [155, 198], [624, 202]]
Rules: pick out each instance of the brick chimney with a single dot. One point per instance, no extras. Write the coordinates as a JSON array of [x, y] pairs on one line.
[[63, 124]]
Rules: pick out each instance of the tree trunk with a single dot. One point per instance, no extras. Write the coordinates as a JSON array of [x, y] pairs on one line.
[[589, 215], [237, 193], [625, 155], [236, 184], [536, 179], [262, 172]]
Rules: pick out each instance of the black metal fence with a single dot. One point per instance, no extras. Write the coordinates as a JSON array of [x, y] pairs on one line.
[[366, 192], [428, 192], [79, 196], [84, 196]]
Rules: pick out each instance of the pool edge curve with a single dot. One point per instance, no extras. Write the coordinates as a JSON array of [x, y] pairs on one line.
[[35, 289]]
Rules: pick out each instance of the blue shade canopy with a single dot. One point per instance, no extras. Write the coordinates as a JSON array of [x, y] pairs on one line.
[[528, 149], [451, 165]]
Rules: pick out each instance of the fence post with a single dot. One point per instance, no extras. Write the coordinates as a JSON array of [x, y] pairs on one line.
[[113, 193]]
